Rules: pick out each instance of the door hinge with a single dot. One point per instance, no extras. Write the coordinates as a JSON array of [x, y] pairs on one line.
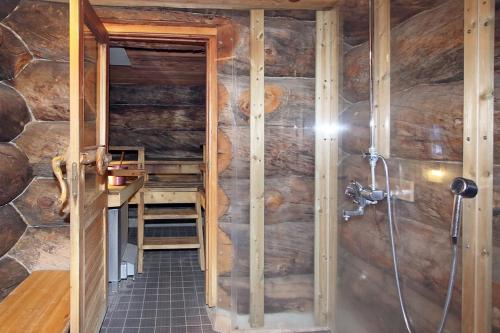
[[74, 180]]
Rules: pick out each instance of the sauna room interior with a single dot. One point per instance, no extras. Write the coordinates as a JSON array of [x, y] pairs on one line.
[[249, 166]]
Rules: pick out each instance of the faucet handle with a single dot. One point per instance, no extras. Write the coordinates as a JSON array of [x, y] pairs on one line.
[[353, 190]]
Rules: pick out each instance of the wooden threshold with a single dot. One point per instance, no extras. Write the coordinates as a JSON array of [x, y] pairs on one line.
[[170, 243]]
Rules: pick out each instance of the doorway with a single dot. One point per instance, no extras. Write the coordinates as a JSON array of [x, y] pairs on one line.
[[87, 159], [159, 100]]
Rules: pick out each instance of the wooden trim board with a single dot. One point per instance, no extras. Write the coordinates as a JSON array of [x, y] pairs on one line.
[[257, 168], [382, 76], [479, 40], [326, 159]]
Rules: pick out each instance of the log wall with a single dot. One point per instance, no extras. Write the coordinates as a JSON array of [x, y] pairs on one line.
[[426, 144], [168, 120], [426, 149]]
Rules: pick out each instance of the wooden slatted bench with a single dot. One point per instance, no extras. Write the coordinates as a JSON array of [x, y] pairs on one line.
[[40, 304]]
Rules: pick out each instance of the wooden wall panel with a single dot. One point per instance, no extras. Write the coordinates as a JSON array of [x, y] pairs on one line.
[[43, 27], [13, 112], [355, 16], [39, 204], [288, 102], [43, 249], [424, 50], [12, 273], [12, 226], [45, 86], [15, 172], [13, 54], [7, 7], [41, 141], [426, 123]]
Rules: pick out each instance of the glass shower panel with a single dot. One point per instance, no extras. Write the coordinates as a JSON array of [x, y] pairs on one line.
[[289, 172], [426, 154]]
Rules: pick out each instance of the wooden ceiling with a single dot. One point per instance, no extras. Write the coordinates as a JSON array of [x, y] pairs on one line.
[[161, 64], [219, 4]]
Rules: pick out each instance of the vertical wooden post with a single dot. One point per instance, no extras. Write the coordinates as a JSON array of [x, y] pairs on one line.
[[76, 51], [256, 168], [326, 158], [382, 76], [479, 30], [211, 176]]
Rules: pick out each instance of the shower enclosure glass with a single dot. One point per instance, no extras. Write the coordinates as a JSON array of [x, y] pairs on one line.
[[426, 155]]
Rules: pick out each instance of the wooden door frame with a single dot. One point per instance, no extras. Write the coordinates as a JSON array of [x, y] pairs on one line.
[[207, 34]]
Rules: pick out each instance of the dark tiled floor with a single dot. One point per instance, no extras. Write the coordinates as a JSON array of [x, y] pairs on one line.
[[168, 297]]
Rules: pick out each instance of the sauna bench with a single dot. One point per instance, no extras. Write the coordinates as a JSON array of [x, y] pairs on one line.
[[118, 195], [40, 304]]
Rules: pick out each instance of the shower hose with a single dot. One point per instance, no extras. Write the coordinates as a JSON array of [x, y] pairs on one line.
[[451, 281]]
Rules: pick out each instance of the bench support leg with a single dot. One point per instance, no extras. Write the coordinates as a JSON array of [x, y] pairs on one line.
[[140, 233], [199, 230]]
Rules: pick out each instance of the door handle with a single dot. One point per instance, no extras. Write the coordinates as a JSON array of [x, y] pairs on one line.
[[99, 156], [57, 163]]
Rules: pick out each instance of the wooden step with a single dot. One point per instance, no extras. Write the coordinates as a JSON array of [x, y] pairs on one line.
[[188, 213], [169, 243]]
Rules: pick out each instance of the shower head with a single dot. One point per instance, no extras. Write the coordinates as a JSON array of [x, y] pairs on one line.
[[463, 187]]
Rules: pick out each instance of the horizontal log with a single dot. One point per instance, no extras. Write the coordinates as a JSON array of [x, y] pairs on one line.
[[12, 226], [157, 95], [285, 54], [160, 143], [7, 7], [289, 102], [219, 4], [41, 141], [224, 151], [225, 246], [13, 112], [43, 249], [289, 248], [288, 151], [39, 204], [12, 274], [433, 199], [426, 123], [184, 74], [15, 172], [43, 27], [45, 86], [369, 294], [142, 117], [424, 252], [227, 29], [13, 54], [292, 293], [355, 16], [287, 199], [427, 48]]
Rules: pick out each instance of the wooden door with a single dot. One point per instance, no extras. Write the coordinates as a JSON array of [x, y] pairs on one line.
[[86, 166]]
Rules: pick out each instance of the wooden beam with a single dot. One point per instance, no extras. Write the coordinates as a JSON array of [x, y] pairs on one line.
[[257, 168], [220, 4], [382, 76], [326, 159], [479, 33]]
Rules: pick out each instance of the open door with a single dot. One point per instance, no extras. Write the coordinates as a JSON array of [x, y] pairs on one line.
[[86, 167]]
